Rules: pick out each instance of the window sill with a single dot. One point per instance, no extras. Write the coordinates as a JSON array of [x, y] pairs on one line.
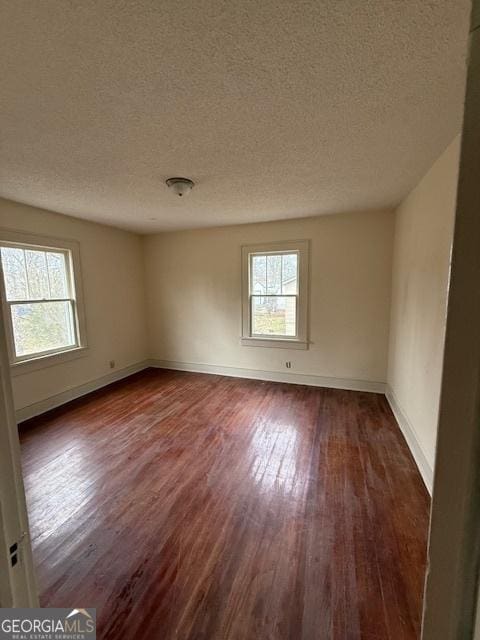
[[49, 360], [277, 343]]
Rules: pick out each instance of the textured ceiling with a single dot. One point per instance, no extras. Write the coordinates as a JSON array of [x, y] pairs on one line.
[[276, 108]]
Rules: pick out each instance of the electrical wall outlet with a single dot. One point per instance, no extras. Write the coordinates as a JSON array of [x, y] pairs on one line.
[[112, 364], [288, 364]]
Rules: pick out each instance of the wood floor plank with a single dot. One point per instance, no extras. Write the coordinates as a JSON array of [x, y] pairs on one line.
[[195, 507]]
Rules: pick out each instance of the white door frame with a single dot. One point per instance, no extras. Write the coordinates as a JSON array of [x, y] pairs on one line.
[[454, 548], [17, 583]]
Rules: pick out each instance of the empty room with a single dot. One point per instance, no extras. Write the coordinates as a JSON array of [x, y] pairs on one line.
[[226, 237]]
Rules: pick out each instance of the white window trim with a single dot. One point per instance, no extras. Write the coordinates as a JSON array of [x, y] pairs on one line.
[[46, 359], [301, 339]]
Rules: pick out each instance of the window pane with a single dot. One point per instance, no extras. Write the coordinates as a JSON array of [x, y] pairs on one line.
[[42, 326], [57, 275], [274, 316], [13, 264], [258, 278], [37, 273], [290, 273], [274, 274]]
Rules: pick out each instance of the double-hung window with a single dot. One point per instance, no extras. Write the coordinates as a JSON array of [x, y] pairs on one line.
[[40, 299], [275, 289]]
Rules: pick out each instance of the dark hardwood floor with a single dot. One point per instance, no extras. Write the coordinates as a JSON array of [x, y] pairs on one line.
[[189, 506]]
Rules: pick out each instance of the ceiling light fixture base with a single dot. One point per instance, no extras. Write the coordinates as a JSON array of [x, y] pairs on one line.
[[180, 186]]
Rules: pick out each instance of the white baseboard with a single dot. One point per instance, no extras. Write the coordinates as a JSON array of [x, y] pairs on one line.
[[58, 399], [273, 376], [423, 464]]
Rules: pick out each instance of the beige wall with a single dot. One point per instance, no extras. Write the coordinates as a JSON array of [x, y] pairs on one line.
[[423, 237], [113, 288], [193, 296]]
